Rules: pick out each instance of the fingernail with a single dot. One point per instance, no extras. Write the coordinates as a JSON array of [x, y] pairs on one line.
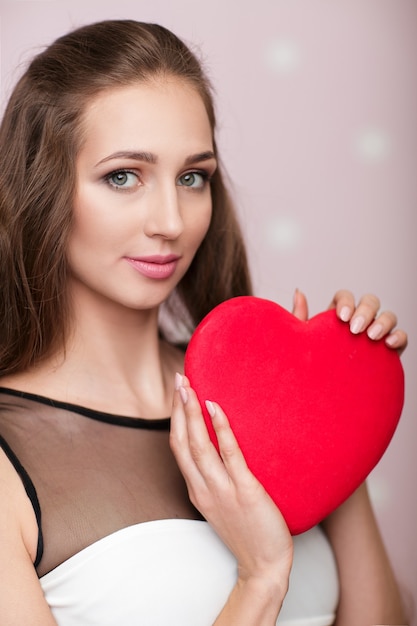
[[357, 324], [345, 314], [210, 408], [375, 331], [294, 298], [178, 381], [184, 395], [392, 341]]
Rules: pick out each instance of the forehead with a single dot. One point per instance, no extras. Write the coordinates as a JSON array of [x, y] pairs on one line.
[[147, 115]]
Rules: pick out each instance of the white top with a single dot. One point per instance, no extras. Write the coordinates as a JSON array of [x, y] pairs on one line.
[[178, 572]]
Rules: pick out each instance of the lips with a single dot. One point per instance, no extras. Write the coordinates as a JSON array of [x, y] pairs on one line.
[[157, 266]]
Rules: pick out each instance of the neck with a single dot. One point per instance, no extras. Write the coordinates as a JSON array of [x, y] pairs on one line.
[[114, 361]]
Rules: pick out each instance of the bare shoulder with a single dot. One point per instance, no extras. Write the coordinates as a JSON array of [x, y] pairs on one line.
[[21, 600], [22, 381]]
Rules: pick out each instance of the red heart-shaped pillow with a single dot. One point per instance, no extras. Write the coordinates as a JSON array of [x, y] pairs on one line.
[[312, 406]]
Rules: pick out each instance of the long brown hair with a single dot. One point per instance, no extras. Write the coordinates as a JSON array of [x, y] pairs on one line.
[[40, 137]]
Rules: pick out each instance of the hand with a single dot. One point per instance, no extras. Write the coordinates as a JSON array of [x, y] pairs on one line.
[[361, 317], [227, 494]]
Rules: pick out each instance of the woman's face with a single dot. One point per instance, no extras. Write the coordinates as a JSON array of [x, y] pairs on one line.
[[143, 201]]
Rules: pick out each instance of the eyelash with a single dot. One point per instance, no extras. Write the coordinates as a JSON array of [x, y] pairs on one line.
[[110, 175], [206, 176]]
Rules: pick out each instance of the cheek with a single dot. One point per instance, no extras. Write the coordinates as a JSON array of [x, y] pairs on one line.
[[89, 236], [95, 222], [201, 225]]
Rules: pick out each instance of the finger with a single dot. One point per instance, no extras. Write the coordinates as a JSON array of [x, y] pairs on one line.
[[300, 307], [178, 439], [344, 303], [397, 340], [178, 427], [364, 313], [382, 325], [201, 449], [229, 449], [180, 442]]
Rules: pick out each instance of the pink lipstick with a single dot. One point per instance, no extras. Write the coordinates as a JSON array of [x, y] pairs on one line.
[[155, 266]]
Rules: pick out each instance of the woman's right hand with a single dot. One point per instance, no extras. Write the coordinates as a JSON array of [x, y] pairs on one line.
[[236, 505]]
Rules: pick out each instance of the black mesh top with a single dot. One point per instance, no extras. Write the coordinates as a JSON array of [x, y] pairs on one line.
[[92, 473]]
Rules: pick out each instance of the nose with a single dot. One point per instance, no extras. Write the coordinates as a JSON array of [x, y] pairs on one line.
[[163, 218]]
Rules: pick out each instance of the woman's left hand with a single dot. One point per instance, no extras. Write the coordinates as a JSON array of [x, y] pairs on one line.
[[361, 317]]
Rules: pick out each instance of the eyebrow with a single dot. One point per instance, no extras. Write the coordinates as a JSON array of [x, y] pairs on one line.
[[149, 157]]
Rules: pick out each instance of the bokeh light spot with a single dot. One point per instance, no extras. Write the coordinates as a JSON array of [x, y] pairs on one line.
[[282, 56], [283, 233], [372, 145]]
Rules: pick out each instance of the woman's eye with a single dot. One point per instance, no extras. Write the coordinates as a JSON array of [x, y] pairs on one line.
[[122, 179], [195, 180]]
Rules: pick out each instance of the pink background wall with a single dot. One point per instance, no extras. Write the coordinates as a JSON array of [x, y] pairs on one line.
[[317, 105]]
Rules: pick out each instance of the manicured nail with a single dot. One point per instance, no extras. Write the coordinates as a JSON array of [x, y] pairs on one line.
[[210, 408], [392, 341], [375, 331], [178, 381], [184, 395], [345, 314], [295, 297], [357, 324]]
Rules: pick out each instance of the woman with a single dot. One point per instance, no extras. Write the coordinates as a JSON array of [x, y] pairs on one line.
[[117, 234]]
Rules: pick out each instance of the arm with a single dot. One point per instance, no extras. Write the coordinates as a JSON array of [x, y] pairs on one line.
[[21, 597], [369, 592], [237, 507]]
